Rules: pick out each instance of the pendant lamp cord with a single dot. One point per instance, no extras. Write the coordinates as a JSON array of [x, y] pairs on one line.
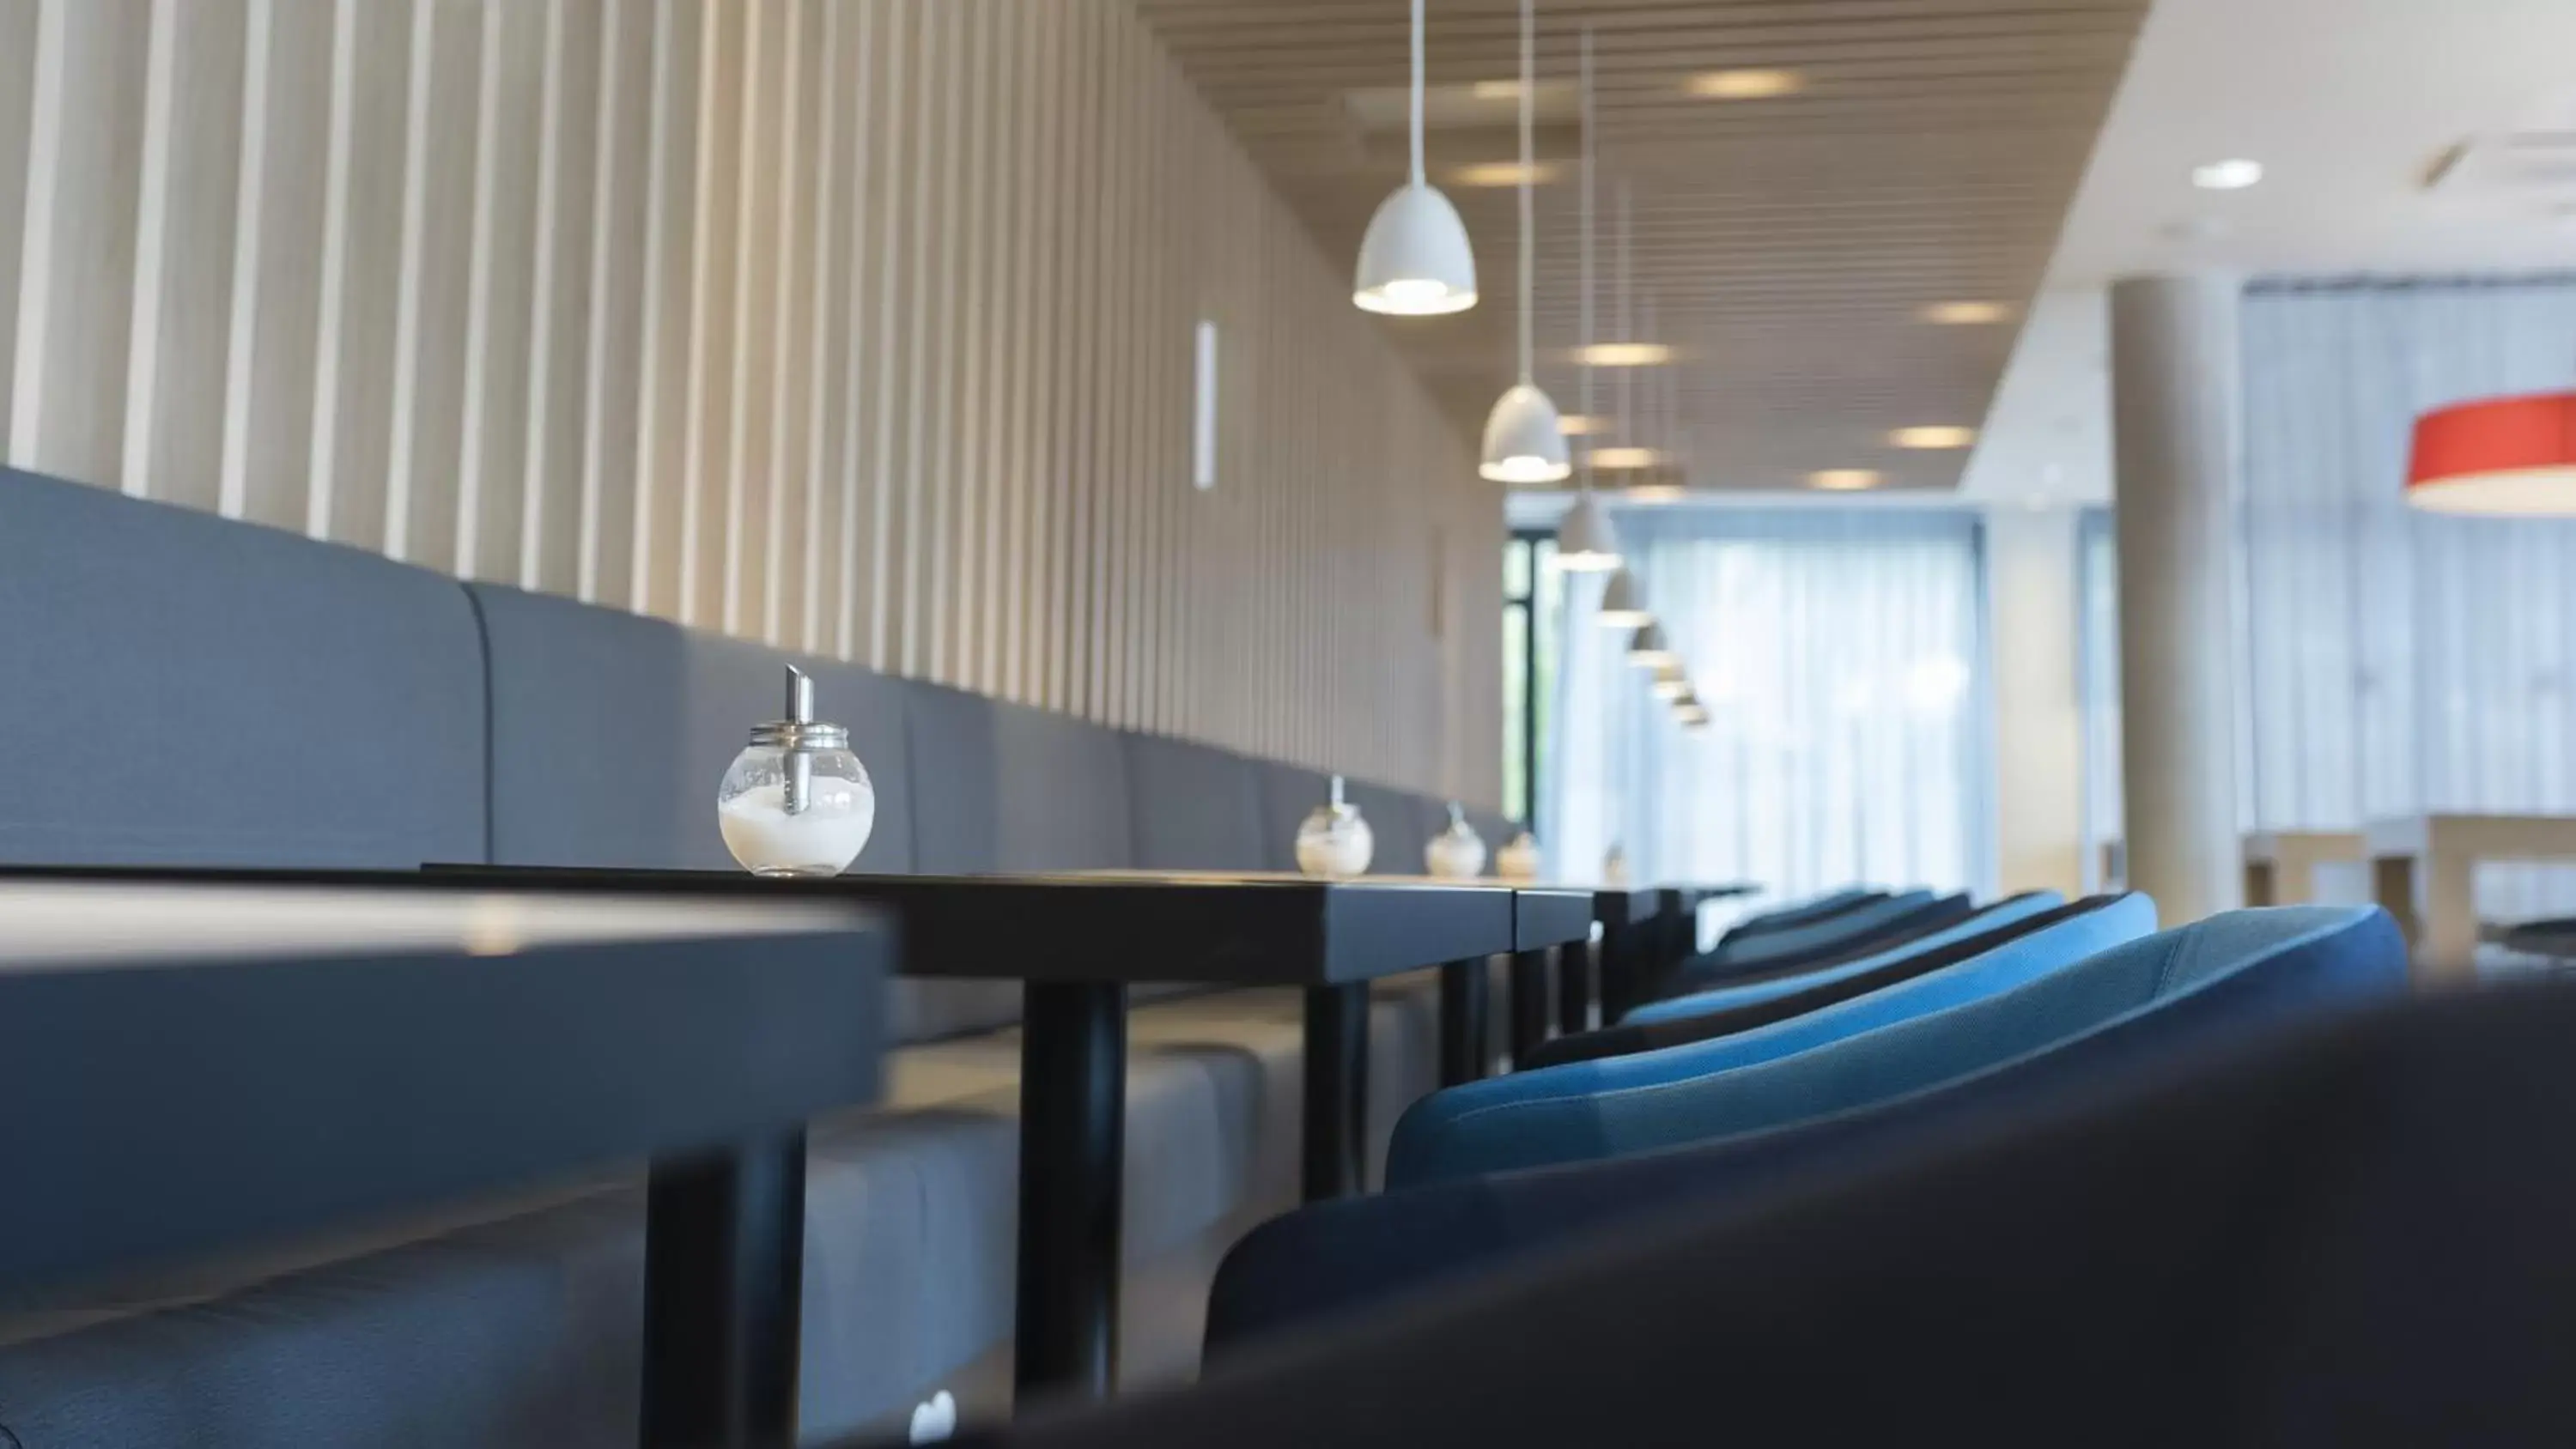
[[1417, 92], [1627, 323], [1587, 247], [1529, 105]]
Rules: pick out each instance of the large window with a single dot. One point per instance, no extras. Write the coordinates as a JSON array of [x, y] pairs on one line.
[[1842, 657], [2400, 661], [1533, 610]]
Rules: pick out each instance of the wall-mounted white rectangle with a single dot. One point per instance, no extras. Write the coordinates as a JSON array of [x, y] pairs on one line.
[[1203, 416]]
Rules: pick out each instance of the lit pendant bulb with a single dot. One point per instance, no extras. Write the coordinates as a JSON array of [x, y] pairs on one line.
[[1524, 439], [1415, 260]]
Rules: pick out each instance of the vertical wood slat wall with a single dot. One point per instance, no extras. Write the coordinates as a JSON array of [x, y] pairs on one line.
[[858, 326]]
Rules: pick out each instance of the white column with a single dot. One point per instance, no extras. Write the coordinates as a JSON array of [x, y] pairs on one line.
[[2034, 611], [2173, 415]]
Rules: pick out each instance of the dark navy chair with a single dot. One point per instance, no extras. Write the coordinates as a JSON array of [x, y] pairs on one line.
[[1936, 1026], [1800, 913], [1799, 993], [2151, 1000], [1723, 998], [1882, 921]]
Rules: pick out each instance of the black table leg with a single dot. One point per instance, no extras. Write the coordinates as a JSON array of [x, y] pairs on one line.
[[1529, 1005], [1073, 1132], [1337, 1049], [1464, 1029], [1626, 952], [1574, 985], [724, 1282]]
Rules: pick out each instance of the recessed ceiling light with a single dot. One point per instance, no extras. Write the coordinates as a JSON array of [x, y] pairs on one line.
[[1624, 354], [1575, 425], [2234, 174], [1746, 85], [1935, 435], [1506, 173], [1496, 90], [1623, 457], [1966, 314], [1844, 480], [1653, 493]]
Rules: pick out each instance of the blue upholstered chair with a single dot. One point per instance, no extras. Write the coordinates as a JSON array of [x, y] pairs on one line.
[[1800, 913], [1765, 949], [1726, 998], [2153, 1003], [1761, 1078]]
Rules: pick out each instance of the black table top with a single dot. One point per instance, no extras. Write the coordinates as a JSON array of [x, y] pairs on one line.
[[1618, 905], [1544, 916], [1234, 929], [192, 1067], [1693, 893]]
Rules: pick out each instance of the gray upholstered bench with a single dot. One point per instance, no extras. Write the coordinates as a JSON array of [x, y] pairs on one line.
[[304, 704]]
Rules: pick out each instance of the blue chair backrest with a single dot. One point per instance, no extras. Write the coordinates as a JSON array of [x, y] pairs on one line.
[[1705, 1089], [2230, 977], [1726, 998], [2227, 979], [1799, 913], [1752, 953]]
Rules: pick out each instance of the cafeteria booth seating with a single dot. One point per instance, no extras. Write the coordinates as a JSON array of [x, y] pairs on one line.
[[1713, 1143], [189, 691]]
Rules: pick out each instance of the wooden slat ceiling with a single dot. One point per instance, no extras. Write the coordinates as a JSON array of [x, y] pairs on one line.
[[1788, 245]]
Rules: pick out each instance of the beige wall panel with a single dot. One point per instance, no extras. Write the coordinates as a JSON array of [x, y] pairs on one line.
[[502, 379], [674, 235], [275, 300], [564, 192], [818, 535], [76, 306], [885, 62], [611, 243], [432, 317], [913, 289], [186, 234], [865, 326], [17, 116]]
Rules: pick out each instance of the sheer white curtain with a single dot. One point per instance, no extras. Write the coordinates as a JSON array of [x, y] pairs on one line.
[[1841, 655], [2401, 661]]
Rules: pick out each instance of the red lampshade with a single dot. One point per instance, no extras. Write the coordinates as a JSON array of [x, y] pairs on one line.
[[2507, 456]]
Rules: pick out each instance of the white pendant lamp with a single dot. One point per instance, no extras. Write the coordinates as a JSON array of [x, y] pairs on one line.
[[1524, 441], [1415, 261], [1584, 539], [1585, 542], [1649, 650], [1623, 604]]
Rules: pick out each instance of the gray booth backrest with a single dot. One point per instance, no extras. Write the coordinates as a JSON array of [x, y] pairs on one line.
[[1005, 787], [1288, 794], [183, 690], [1194, 806], [1396, 820], [611, 731]]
